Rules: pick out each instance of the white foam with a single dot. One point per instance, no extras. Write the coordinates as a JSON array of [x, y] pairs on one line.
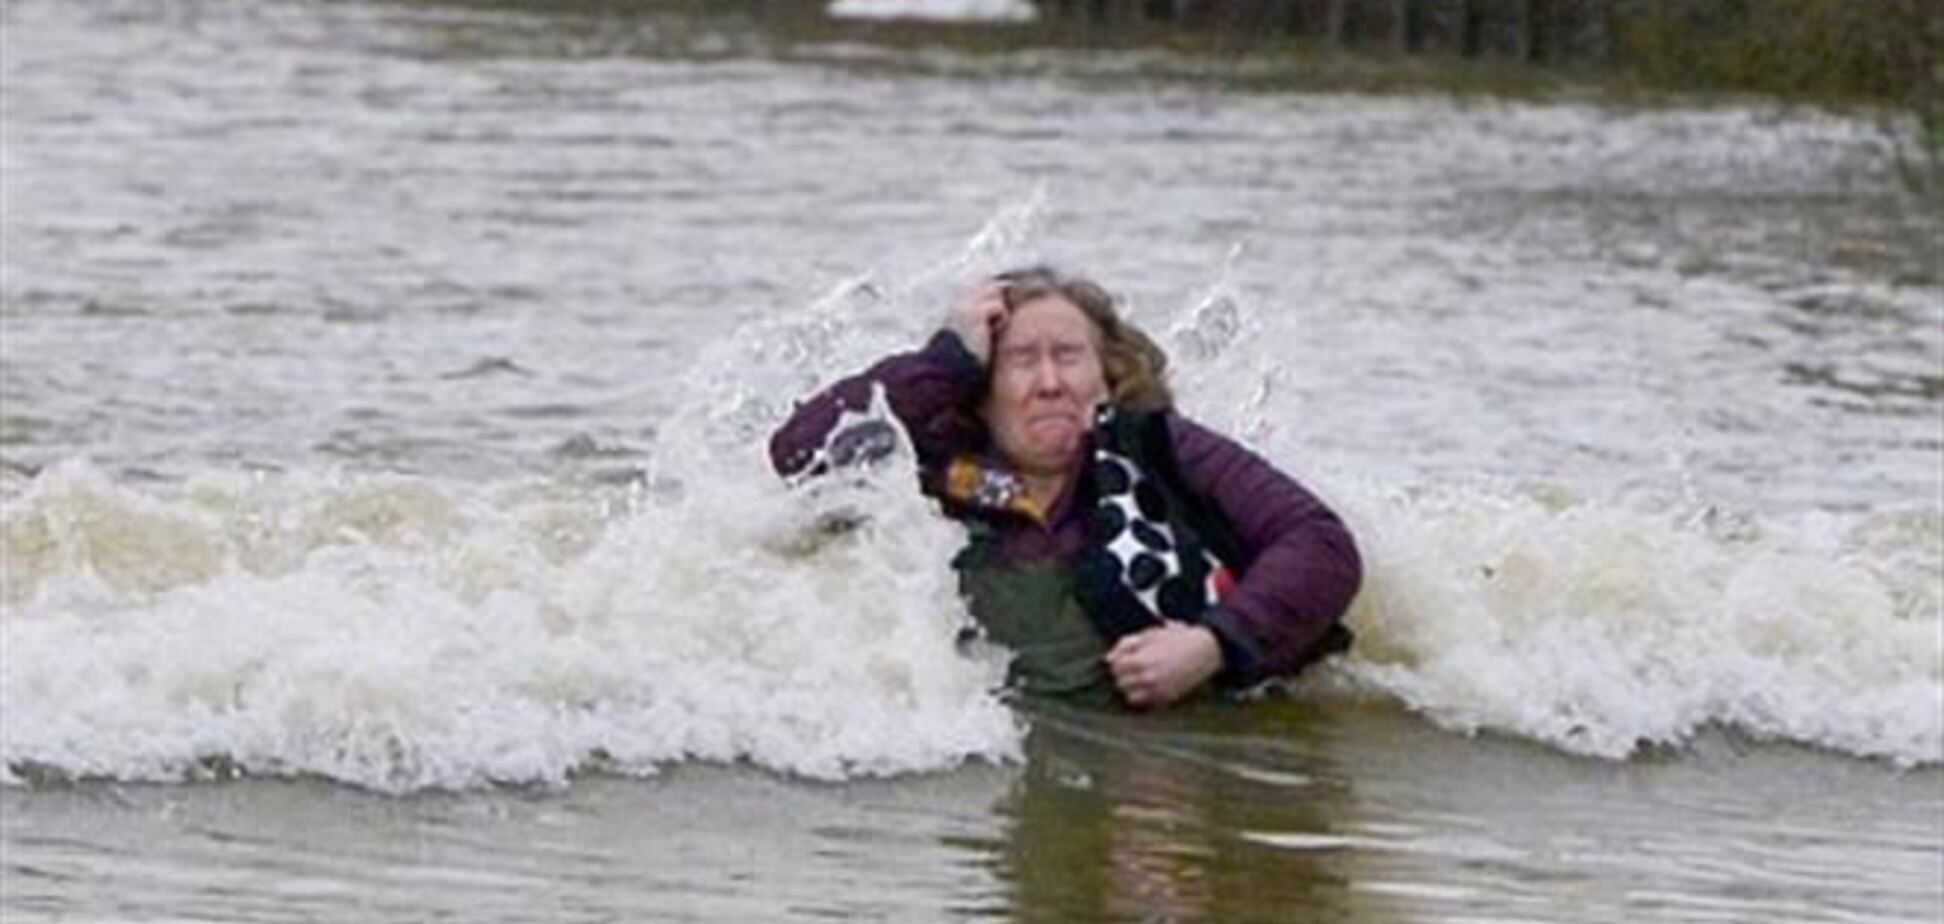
[[936, 10], [406, 634], [1601, 629]]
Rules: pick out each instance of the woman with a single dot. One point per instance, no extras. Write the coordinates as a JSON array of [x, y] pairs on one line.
[[1121, 551]]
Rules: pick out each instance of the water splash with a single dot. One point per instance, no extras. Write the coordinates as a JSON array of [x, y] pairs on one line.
[[404, 633], [1602, 629]]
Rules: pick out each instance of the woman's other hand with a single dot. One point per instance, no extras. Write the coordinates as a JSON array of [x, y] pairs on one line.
[[977, 319], [1158, 666]]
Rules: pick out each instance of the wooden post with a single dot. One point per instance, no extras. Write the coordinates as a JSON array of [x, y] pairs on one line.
[[1532, 39], [1603, 43], [1522, 31]]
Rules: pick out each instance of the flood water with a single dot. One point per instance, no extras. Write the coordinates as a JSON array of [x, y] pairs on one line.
[[387, 534]]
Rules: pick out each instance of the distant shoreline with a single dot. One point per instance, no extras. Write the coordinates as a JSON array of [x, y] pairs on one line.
[[1884, 55]]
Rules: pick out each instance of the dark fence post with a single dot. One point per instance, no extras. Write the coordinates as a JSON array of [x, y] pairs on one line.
[[1607, 17], [1522, 31]]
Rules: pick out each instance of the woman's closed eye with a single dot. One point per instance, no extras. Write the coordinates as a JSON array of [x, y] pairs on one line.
[[1018, 356]]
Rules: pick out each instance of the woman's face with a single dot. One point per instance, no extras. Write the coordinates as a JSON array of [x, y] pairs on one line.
[[1047, 380]]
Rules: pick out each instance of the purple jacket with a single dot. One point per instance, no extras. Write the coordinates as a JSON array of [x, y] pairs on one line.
[[1302, 568]]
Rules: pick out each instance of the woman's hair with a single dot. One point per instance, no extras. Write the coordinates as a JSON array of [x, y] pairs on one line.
[[1135, 367]]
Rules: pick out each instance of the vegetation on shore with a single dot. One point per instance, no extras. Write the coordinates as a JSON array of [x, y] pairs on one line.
[[1888, 53]]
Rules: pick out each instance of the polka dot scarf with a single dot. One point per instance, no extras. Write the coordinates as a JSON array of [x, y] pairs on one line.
[[1147, 564]]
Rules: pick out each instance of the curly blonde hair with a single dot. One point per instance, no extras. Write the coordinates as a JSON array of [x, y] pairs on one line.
[[1135, 366]]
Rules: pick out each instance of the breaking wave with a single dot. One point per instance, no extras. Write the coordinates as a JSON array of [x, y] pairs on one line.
[[411, 632]]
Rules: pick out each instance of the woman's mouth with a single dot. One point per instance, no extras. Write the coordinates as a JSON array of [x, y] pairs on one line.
[[1061, 419]]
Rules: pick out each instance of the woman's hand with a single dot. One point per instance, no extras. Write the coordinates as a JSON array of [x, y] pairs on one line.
[[1158, 666], [977, 319]]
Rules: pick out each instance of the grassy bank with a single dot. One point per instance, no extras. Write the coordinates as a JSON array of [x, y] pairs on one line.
[[1831, 52], [1883, 54], [1882, 50]]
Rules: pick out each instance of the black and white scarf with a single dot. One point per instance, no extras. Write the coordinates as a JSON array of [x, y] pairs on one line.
[[1146, 564]]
